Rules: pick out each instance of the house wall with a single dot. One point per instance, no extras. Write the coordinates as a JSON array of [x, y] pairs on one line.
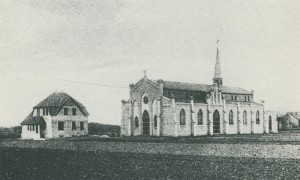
[[27, 134], [68, 119]]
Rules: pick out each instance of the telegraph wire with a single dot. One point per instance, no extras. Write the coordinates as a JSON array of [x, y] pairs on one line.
[[94, 84]]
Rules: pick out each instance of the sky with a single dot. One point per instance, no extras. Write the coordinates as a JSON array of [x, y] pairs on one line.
[[111, 42]]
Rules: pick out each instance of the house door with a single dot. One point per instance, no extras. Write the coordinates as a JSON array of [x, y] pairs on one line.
[[216, 122], [42, 130], [270, 123], [146, 123]]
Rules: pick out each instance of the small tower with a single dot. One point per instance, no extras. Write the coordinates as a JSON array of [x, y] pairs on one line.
[[218, 75]]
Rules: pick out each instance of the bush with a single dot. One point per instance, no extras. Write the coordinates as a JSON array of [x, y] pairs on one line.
[[12, 132], [104, 129]]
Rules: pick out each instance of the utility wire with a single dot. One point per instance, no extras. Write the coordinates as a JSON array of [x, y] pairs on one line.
[[94, 84]]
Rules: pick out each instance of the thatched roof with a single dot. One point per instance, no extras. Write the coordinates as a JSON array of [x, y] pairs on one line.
[[33, 120], [56, 101]]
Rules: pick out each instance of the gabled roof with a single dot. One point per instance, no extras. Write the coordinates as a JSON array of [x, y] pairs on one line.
[[202, 87], [56, 101], [30, 120]]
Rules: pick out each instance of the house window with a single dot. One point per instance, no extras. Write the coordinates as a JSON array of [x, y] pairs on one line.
[[60, 126], [155, 121], [245, 98], [37, 128], [32, 127], [136, 122], [231, 117], [257, 118], [182, 117], [74, 111], [66, 110], [245, 117], [74, 126], [46, 111], [200, 117], [27, 127], [232, 98], [81, 126]]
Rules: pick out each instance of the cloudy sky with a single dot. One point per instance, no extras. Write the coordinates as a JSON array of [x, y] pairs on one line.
[[112, 42]]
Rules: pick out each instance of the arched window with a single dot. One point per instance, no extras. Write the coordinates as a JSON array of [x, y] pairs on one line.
[[182, 117], [257, 117], [231, 117], [200, 117], [155, 121], [245, 117], [136, 122]]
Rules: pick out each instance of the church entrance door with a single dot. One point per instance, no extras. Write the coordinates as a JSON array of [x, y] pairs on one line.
[[146, 123], [216, 122]]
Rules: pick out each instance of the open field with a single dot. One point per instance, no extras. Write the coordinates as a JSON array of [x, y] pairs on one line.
[[65, 164], [272, 156]]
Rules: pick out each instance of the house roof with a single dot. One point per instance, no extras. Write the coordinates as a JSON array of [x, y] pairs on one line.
[[202, 87], [56, 101], [33, 120], [295, 115]]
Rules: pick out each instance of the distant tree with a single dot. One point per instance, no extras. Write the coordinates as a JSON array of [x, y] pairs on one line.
[[104, 129], [11, 132]]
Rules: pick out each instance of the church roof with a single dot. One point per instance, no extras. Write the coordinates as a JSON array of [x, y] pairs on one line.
[[202, 87], [33, 120], [57, 100]]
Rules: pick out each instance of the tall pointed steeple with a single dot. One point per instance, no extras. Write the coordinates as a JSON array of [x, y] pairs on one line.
[[218, 74]]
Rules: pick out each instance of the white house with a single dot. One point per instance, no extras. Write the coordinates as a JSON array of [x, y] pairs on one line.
[[59, 115]]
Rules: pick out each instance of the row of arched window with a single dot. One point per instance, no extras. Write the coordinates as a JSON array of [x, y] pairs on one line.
[[244, 117], [182, 118], [200, 118], [136, 121]]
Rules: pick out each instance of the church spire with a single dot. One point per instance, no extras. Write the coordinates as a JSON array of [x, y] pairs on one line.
[[218, 75]]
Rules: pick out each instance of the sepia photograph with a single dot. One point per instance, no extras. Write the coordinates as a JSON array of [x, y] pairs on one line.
[[149, 89]]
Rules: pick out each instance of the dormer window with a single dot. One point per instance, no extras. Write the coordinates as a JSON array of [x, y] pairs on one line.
[[45, 111], [66, 111], [74, 111]]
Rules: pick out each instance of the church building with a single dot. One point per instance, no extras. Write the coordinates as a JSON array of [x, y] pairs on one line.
[[166, 108]]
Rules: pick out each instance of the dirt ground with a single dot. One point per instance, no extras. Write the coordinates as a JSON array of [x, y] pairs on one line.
[[273, 156]]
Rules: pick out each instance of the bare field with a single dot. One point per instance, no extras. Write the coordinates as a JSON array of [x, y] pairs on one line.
[[66, 164], [217, 157]]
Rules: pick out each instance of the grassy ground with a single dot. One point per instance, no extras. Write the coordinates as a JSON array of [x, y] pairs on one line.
[[268, 156], [65, 164], [280, 138]]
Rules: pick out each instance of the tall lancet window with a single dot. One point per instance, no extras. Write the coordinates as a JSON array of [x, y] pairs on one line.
[[182, 117], [231, 117], [257, 117], [200, 117], [245, 117]]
